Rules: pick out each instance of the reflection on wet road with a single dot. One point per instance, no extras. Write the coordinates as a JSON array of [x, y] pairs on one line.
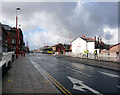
[[77, 77]]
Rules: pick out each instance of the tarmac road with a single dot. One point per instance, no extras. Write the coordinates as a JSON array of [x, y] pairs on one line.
[[79, 78]]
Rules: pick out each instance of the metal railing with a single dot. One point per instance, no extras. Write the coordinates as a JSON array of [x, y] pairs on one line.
[[7, 58]]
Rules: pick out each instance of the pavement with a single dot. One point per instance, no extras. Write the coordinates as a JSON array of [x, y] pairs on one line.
[[107, 63], [108, 59], [23, 77], [92, 57]]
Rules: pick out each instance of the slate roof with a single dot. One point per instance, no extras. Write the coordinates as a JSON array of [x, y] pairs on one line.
[[86, 39], [6, 27], [115, 45]]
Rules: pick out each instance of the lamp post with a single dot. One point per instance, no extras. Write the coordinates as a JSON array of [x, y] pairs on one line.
[[17, 48]]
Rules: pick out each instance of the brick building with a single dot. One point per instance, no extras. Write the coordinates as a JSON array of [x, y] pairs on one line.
[[67, 48], [9, 38], [112, 51], [58, 48], [61, 48], [115, 47], [5, 39]]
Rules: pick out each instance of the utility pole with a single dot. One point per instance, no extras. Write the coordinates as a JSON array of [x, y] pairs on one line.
[[27, 46], [17, 47], [70, 41]]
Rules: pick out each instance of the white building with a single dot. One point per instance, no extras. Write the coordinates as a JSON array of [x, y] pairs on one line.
[[81, 43]]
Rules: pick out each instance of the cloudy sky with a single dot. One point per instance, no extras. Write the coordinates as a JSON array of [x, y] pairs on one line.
[[46, 23]]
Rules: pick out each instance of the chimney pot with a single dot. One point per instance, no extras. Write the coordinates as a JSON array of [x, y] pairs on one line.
[[87, 38], [98, 40], [95, 38], [83, 36]]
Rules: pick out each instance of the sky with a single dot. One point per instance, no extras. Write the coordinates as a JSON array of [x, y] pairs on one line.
[[47, 23]]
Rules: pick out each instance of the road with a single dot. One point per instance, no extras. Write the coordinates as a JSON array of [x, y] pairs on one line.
[[76, 77]]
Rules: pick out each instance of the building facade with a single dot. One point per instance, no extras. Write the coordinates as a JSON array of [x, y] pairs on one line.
[[9, 42], [5, 38], [58, 48], [112, 51], [85, 43]]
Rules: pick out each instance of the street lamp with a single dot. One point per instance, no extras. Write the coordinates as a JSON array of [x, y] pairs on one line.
[[17, 48]]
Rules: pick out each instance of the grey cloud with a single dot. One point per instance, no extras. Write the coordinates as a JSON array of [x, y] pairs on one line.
[[108, 35], [100, 15], [89, 20], [104, 13]]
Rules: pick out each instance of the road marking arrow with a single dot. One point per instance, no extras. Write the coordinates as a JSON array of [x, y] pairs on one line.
[[110, 75], [80, 88], [118, 86]]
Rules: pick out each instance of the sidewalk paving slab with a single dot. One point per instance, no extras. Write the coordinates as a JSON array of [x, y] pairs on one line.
[[23, 77]]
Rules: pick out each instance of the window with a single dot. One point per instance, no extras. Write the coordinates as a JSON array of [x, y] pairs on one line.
[[13, 41]]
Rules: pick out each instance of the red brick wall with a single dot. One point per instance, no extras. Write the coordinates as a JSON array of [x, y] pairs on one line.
[[111, 52], [117, 47]]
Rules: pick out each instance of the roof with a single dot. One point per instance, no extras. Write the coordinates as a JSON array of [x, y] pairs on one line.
[[56, 45], [115, 45], [66, 44], [6, 27], [86, 39]]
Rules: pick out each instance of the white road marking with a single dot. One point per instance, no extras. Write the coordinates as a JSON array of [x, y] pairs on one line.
[[73, 69], [39, 68], [110, 75], [78, 71], [80, 88], [118, 86]]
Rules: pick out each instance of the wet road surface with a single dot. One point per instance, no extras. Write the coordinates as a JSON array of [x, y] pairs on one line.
[[79, 78]]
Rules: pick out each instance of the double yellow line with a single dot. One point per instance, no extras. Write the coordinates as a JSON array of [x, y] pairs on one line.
[[55, 82], [58, 85]]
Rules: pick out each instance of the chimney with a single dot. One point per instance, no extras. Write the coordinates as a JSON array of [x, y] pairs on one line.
[[98, 40], [87, 38], [101, 43], [83, 36], [90, 38], [95, 38], [95, 42]]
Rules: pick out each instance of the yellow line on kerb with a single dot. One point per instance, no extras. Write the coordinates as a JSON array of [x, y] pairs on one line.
[[59, 84]]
